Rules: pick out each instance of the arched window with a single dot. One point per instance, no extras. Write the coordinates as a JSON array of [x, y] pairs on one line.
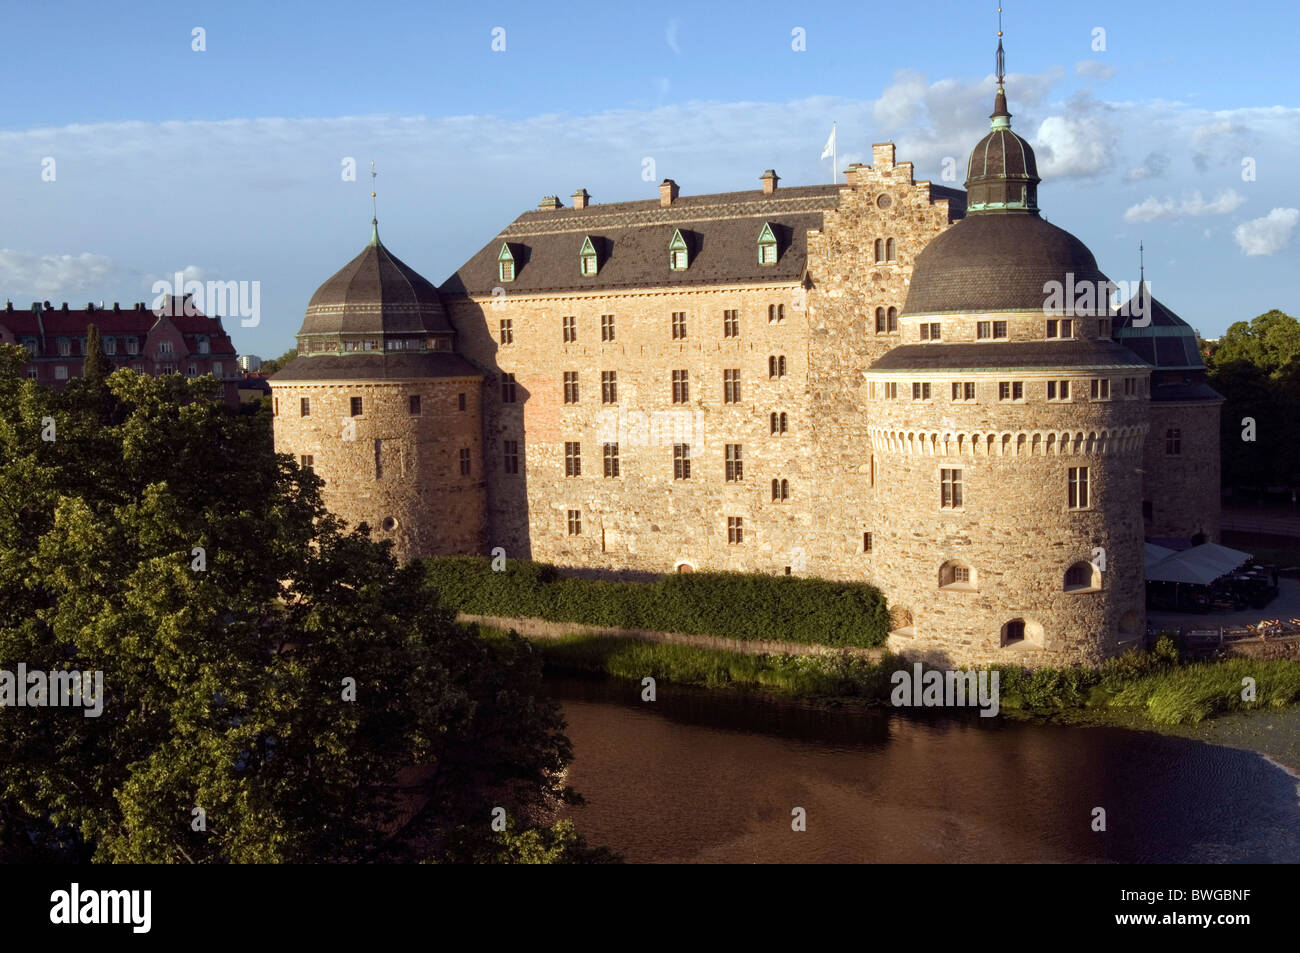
[[1082, 577], [784, 421], [780, 366], [778, 422], [880, 250], [1013, 632], [780, 490], [955, 574], [771, 365], [880, 320], [893, 319], [891, 252]]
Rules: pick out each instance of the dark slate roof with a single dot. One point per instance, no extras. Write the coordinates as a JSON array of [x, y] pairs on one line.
[[1010, 356], [135, 320], [1190, 390], [375, 365], [1167, 341], [375, 293], [1001, 153], [631, 238], [995, 262]]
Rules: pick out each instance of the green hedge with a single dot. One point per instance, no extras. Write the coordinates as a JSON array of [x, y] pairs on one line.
[[730, 605]]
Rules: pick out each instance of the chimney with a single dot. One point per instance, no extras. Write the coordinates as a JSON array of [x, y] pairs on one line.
[[549, 203], [667, 192], [581, 199], [882, 156], [769, 180]]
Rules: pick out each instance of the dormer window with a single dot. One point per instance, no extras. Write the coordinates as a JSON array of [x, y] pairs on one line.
[[678, 256], [766, 246], [588, 263], [506, 263]]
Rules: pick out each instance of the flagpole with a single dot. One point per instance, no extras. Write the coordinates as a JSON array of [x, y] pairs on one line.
[[835, 154]]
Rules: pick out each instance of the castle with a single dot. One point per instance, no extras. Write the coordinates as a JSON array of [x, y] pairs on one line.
[[864, 382]]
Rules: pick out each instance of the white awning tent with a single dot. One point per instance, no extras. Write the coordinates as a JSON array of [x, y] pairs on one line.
[[1153, 554], [1200, 565]]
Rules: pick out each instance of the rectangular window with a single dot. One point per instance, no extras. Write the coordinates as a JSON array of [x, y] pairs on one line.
[[891, 390], [1130, 386], [507, 331], [1100, 388], [306, 461], [304, 407], [679, 325], [999, 329], [192, 370], [1011, 390], [379, 459], [731, 324], [681, 461], [735, 530], [866, 542], [963, 390], [983, 329], [609, 387], [575, 522], [60, 372], [1103, 328], [1058, 390], [216, 369], [775, 313], [356, 406], [508, 390], [1067, 328], [1053, 328], [164, 347], [464, 462], [413, 405], [275, 407], [734, 465], [681, 387], [607, 327], [510, 455], [460, 401], [731, 386], [110, 346], [570, 328], [1173, 442], [1078, 488], [930, 331], [611, 459], [950, 489], [131, 346], [570, 387], [572, 459], [920, 391]]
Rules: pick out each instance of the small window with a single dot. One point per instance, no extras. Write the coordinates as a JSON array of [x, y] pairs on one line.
[[1173, 442], [464, 462], [779, 422], [356, 406], [767, 251], [930, 331], [920, 390], [611, 459], [891, 317], [588, 265], [735, 530], [1103, 328], [609, 387], [570, 328], [963, 390], [678, 256], [866, 542], [1013, 632], [510, 456], [60, 372], [110, 346], [735, 470], [950, 497], [955, 575], [413, 405], [880, 321], [983, 329], [880, 249], [776, 365], [891, 390], [307, 461], [776, 314], [1058, 390], [1100, 389], [681, 461], [575, 522], [1077, 488], [1053, 328], [304, 407], [999, 329], [572, 459], [681, 387], [1011, 390], [679, 325], [508, 390], [275, 407], [570, 387], [192, 370], [731, 386], [731, 324], [780, 491], [507, 331], [506, 264], [460, 400], [1082, 576], [607, 327]]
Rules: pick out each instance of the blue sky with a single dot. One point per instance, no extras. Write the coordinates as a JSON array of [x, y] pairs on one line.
[[226, 162]]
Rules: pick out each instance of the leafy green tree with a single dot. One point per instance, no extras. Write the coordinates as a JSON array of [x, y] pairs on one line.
[[274, 364], [1269, 341], [96, 366], [275, 688]]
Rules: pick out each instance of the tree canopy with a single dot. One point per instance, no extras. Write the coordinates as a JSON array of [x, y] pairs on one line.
[[275, 687]]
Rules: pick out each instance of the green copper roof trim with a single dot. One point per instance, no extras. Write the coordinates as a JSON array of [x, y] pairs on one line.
[[505, 254], [374, 231]]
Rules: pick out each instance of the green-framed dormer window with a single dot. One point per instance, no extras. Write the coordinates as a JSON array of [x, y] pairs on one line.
[[506, 263], [766, 246], [679, 258], [587, 258]]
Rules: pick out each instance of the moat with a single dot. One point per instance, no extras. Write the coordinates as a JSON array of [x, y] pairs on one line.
[[706, 777]]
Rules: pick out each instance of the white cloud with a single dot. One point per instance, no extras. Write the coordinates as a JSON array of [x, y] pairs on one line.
[[670, 35], [1152, 209], [1094, 69], [1152, 167], [1070, 146], [1267, 235], [26, 274]]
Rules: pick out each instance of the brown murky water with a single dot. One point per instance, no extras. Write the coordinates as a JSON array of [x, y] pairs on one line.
[[714, 777]]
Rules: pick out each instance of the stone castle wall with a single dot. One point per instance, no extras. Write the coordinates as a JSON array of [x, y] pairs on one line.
[[1182, 490], [397, 472]]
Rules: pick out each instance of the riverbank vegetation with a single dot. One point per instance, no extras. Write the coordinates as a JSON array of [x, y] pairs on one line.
[[742, 606], [1157, 685]]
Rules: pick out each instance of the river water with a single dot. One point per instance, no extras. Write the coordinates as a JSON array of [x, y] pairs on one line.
[[707, 777]]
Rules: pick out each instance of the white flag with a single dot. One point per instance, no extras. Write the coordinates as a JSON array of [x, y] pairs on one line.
[[829, 151]]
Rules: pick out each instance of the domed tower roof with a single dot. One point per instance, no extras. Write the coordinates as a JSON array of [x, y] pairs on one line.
[[375, 293], [1002, 174]]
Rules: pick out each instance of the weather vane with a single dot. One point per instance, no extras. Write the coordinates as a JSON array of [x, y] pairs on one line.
[[374, 208], [1002, 61]]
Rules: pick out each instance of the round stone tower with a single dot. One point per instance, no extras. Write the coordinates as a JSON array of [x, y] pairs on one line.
[[382, 407], [1007, 432]]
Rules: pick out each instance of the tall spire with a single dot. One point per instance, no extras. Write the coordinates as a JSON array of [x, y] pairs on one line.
[[1002, 58], [374, 208], [1000, 116]]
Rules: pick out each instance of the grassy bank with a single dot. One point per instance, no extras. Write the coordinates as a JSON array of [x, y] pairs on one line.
[[1151, 689]]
